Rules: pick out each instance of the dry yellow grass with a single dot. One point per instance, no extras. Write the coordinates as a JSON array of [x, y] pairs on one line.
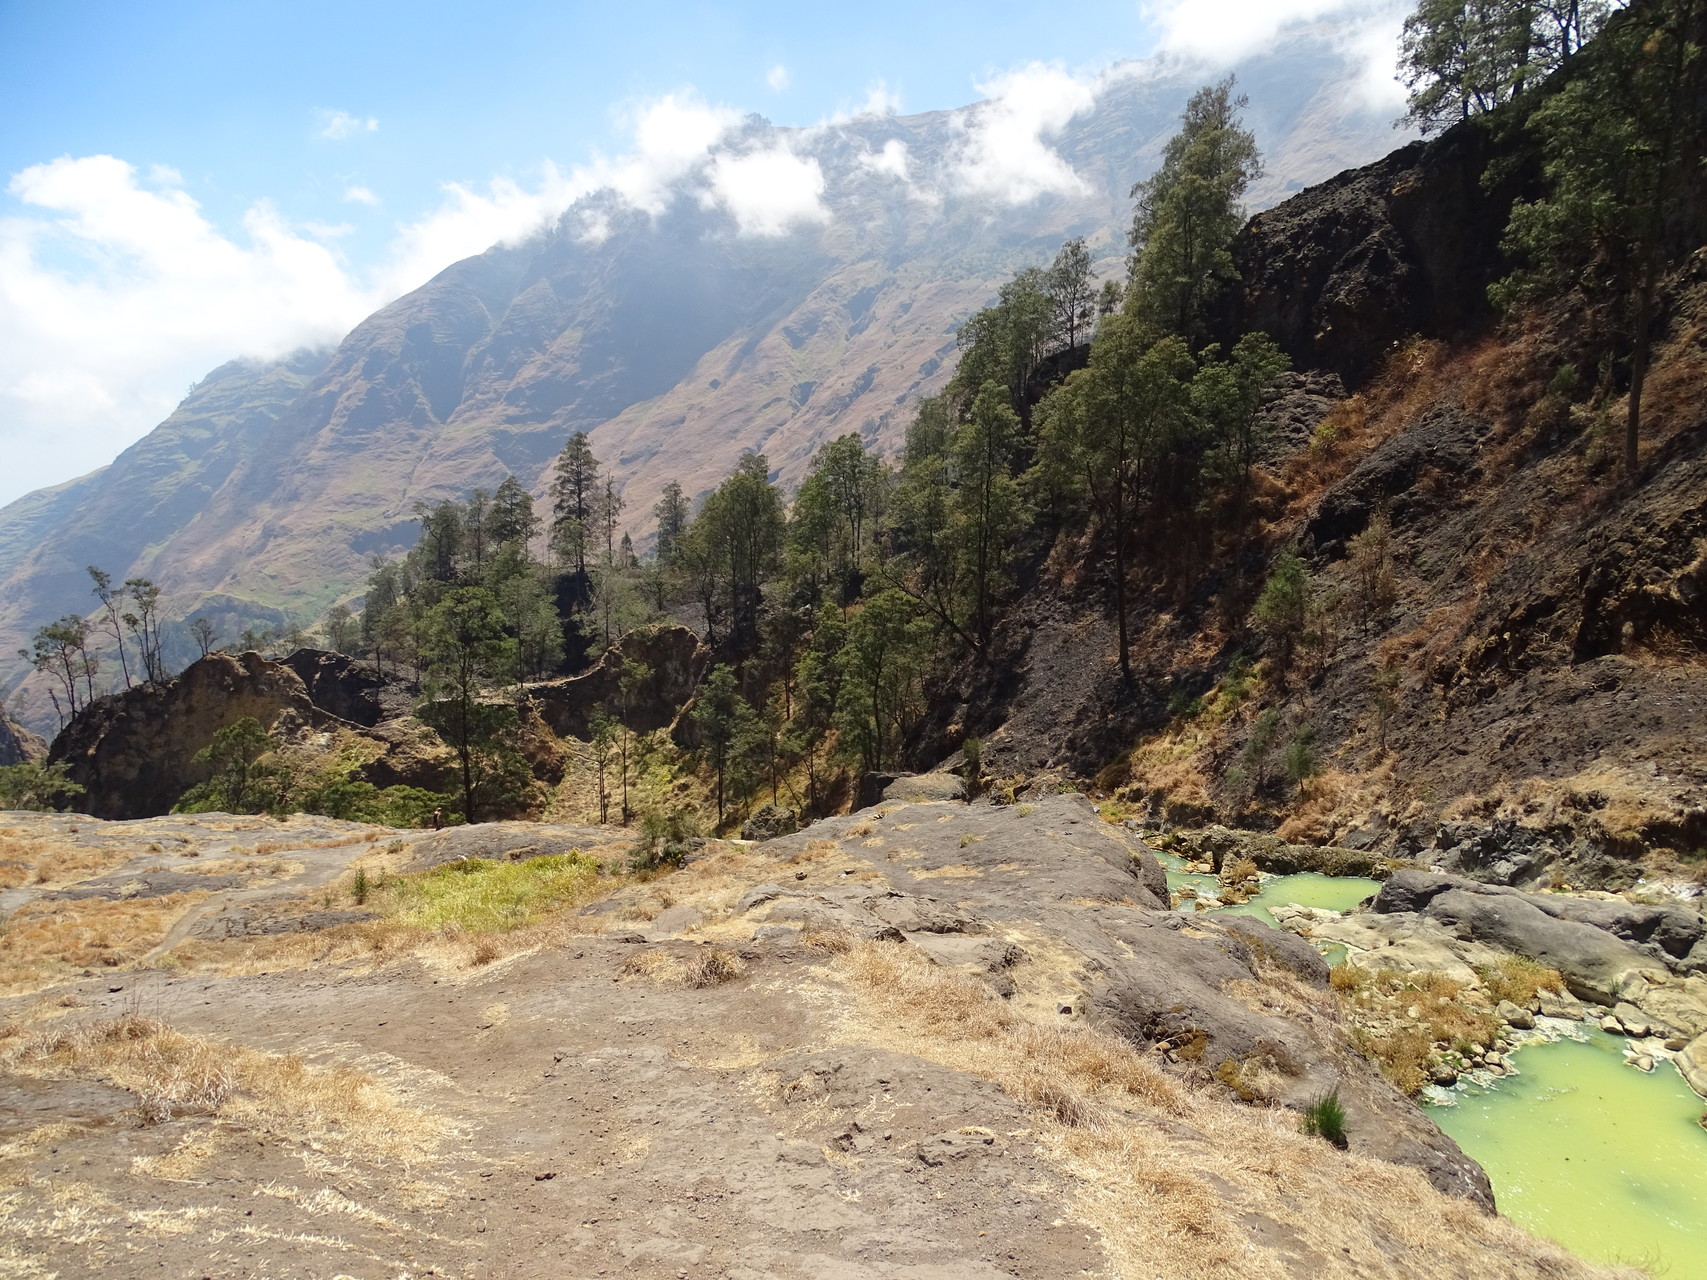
[[707, 967], [172, 1074], [1175, 1180], [30, 858], [47, 942]]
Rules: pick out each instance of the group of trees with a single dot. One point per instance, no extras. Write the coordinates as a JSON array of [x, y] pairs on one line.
[[68, 651], [1619, 134], [829, 612]]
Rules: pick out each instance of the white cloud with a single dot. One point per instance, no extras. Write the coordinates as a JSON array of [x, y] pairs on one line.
[[119, 292], [767, 192], [778, 78], [470, 222], [338, 125], [892, 160], [672, 137], [1004, 155], [1223, 31]]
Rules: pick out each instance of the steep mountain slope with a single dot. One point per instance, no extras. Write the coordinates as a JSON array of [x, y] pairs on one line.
[[1516, 677], [676, 339]]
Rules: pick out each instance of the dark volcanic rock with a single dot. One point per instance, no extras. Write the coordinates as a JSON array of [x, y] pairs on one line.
[[1341, 273], [346, 688]]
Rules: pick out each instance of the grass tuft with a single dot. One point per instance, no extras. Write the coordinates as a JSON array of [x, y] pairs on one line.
[[1325, 1118]]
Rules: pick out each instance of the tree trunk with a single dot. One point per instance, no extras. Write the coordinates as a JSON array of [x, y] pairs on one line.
[[1120, 596], [1639, 363]]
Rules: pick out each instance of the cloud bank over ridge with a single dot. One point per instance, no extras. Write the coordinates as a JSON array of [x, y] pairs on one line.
[[117, 288]]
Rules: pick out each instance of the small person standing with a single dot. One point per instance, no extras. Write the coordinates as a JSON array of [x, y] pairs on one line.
[[438, 819]]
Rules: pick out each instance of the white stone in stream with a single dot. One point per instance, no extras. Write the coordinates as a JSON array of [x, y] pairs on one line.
[[1642, 1062], [1612, 1026], [1408, 943], [1679, 1003]]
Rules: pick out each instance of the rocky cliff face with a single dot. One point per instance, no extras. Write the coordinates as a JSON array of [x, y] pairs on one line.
[[1527, 704], [675, 659], [134, 752], [1341, 274], [678, 341]]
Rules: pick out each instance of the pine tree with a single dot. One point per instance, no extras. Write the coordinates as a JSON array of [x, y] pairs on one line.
[[1616, 142], [989, 514], [575, 494], [1071, 294], [672, 514], [512, 518], [724, 719], [1189, 211], [469, 659], [110, 600]]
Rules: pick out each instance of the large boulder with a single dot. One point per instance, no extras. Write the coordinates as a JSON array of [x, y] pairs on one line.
[[675, 659], [1596, 964], [769, 823]]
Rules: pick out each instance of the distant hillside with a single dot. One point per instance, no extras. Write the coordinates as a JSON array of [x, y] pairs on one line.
[[675, 341]]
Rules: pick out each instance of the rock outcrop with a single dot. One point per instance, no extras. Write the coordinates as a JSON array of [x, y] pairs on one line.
[[347, 688], [1339, 274], [1609, 951], [675, 659], [1052, 877], [133, 752]]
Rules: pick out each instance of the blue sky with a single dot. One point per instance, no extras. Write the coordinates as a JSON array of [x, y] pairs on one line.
[[186, 182]]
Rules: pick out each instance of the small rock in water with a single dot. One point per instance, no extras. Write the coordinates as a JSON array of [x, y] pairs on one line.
[[1443, 1075], [1642, 1062], [1516, 1016], [1611, 1025]]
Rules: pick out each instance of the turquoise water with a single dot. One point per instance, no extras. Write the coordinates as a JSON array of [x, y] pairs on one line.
[[1306, 889], [1595, 1155], [1603, 1159]]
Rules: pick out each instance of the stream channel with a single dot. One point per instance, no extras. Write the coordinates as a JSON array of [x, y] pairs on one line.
[[1595, 1155]]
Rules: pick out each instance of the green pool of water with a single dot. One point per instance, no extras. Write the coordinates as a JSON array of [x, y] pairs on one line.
[[1306, 889], [1595, 1155]]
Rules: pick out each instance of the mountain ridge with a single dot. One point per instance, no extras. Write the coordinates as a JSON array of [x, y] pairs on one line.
[[676, 341]]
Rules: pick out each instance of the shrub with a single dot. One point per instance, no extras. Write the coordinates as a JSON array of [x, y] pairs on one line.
[[972, 750], [1325, 1118], [36, 786], [664, 836], [1303, 761]]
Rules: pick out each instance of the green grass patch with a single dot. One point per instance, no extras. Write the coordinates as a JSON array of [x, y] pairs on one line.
[[479, 896]]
